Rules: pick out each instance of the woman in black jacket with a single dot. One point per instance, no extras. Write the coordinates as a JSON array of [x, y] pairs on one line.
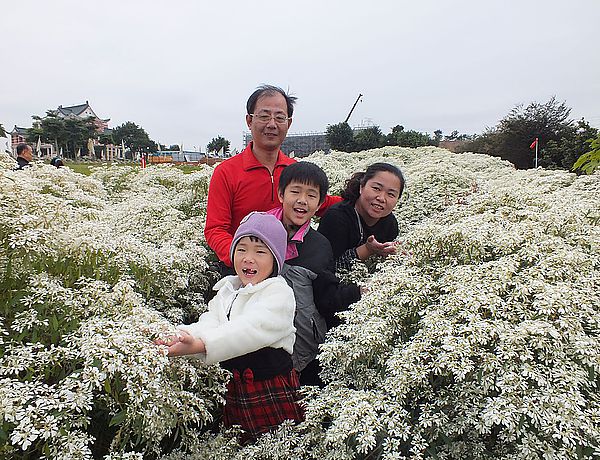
[[363, 224]]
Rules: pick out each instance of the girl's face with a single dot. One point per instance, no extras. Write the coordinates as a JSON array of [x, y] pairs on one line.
[[378, 197], [252, 260]]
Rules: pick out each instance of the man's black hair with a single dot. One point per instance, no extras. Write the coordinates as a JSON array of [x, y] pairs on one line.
[[22, 147], [305, 172], [270, 90]]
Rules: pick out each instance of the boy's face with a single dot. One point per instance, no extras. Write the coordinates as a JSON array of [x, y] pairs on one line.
[[252, 260], [300, 202]]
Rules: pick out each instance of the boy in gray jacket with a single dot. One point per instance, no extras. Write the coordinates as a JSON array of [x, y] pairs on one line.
[[309, 266]]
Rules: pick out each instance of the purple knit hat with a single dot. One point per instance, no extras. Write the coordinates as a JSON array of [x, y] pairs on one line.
[[269, 229]]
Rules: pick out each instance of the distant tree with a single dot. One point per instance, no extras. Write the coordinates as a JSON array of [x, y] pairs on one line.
[[50, 129], [71, 134], [453, 136], [589, 161], [391, 138], [2, 131], [548, 122], [564, 153], [340, 137], [134, 137], [367, 138], [216, 143], [174, 147], [513, 135], [106, 138], [456, 136], [399, 136], [78, 132], [437, 137]]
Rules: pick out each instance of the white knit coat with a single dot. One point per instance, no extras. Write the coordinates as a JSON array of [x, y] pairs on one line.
[[259, 316]]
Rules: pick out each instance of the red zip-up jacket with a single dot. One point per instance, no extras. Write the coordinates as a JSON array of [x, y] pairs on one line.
[[239, 185]]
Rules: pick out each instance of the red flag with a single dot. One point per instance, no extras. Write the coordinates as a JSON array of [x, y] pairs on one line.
[[534, 143]]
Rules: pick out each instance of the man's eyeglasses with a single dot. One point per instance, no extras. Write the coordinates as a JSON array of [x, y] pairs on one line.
[[266, 117]]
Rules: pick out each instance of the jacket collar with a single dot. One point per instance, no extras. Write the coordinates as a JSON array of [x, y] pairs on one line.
[[233, 284], [291, 251], [249, 161]]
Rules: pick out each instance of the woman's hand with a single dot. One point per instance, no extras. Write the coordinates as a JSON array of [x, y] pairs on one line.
[[182, 344], [372, 246]]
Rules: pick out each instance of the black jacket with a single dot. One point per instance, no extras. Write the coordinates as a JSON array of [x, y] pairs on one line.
[[340, 225], [319, 295], [22, 163]]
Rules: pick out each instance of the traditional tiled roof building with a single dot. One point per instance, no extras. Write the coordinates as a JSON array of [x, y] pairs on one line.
[[83, 111], [106, 152], [17, 135]]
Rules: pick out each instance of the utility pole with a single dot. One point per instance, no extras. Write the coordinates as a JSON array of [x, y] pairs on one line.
[[352, 109]]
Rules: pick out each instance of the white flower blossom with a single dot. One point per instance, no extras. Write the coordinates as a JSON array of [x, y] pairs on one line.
[[480, 339]]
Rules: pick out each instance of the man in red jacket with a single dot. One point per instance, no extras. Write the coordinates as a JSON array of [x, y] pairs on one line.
[[248, 181]]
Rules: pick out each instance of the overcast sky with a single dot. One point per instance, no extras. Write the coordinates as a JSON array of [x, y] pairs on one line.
[[183, 69]]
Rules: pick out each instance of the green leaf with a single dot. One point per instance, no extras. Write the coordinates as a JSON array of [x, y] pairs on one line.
[[118, 418]]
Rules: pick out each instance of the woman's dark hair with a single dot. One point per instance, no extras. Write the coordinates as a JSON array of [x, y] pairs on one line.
[[352, 187], [305, 172], [270, 90]]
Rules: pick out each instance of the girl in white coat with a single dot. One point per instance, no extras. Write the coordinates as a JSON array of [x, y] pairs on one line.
[[249, 329]]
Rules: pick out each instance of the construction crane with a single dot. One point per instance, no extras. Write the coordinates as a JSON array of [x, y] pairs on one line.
[[352, 109]]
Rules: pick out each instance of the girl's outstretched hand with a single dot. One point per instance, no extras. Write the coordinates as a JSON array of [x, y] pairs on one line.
[[182, 344]]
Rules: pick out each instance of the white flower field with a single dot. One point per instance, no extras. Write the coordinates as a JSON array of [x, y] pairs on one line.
[[480, 340]]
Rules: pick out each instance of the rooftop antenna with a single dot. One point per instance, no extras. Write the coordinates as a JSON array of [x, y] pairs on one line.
[[352, 109]]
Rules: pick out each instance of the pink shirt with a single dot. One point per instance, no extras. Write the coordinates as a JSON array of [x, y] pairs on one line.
[[291, 251]]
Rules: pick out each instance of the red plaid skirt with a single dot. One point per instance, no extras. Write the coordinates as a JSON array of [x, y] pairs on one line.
[[260, 406]]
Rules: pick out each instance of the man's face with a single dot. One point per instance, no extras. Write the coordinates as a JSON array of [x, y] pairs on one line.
[[268, 135], [300, 202], [27, 154]]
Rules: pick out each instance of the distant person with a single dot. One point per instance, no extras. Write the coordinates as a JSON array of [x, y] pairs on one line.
[[363, 224], [249, 329], [309, 266], [248, 181], [57, 162], [24, 156]]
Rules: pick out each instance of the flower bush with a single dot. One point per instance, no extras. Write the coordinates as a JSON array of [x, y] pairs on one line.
[[86, 266], [480, 340]]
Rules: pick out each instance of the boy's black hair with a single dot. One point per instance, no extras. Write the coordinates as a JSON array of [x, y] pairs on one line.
[[270, 90], [305, 172]]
